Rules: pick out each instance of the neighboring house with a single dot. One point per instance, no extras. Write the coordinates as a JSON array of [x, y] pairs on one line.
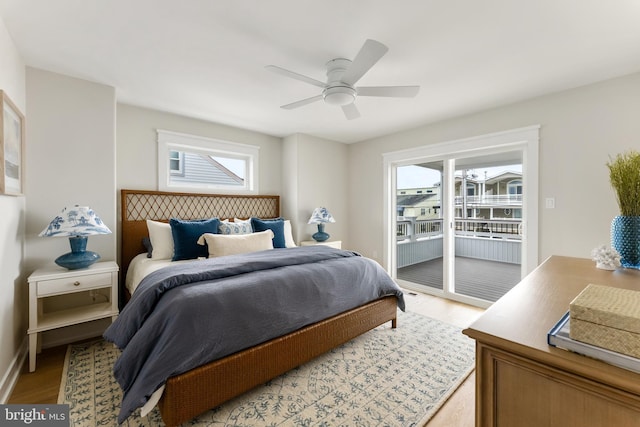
[[189, 167], [497, 197], [421, 203]]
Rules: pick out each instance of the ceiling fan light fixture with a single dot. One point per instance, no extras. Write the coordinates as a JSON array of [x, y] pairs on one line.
[[342, 77], [339, 95]]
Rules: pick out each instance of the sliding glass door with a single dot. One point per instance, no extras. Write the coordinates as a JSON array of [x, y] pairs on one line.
[[419, 220], [487, 226], [459, 220]]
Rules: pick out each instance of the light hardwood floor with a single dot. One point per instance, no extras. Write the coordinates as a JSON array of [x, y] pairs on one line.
[[42, 386], [459, 411]]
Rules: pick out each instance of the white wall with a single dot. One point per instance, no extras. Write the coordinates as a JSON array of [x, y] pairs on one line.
[[315, 174], [70, 160], [137, 146], [580, 129], [288, 167], [13, 320], [290, 187]]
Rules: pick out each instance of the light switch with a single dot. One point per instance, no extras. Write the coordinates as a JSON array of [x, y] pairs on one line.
[[550, 203]]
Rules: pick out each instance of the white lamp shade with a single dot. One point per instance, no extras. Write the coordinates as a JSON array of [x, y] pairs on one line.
[[320, 216], [76, 221]]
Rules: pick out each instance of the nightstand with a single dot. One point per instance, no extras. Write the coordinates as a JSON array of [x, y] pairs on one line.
[[52, 281], [333, 243]]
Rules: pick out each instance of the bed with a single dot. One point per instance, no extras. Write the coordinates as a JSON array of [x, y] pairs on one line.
[[206, 386]]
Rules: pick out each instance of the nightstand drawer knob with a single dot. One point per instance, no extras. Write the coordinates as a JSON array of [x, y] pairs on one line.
[[76, 283]]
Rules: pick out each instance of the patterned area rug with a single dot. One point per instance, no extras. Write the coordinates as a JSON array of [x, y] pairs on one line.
[[386, 377]]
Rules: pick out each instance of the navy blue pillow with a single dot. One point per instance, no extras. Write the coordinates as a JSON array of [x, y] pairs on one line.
[[275, 225], [146, 242], [186, 234]]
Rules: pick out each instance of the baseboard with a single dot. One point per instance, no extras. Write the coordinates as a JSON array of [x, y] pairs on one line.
[[10, 378]]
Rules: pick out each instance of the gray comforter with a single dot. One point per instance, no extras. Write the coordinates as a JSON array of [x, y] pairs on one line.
[[186, 315]]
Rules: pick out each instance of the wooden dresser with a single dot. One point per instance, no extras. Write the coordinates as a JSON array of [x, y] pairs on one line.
[[521, 381]]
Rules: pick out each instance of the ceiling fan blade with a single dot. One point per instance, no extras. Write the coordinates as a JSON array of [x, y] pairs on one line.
[[351, 111], [293, 75], [302, 102], [392, 91], [369, 54]]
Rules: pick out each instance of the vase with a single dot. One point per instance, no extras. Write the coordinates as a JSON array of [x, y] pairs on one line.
[[625, 238]]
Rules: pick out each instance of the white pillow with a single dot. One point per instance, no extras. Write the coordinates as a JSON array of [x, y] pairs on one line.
[[161, 239], [235, 227], [288, 235], [231, 244]]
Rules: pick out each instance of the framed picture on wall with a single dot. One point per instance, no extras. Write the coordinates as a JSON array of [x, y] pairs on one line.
[[11, 147]]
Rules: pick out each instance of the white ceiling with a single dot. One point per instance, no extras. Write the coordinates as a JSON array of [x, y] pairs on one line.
[[206, 58]]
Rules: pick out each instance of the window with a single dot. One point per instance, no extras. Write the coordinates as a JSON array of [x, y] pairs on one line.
[[199, 164], [471, 190], [176, 161], [514, 187]]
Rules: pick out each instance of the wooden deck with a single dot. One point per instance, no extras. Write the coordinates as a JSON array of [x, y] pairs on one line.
[[487, 280]]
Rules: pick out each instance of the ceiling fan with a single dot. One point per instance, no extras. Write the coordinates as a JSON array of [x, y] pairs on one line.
[[342, 75]]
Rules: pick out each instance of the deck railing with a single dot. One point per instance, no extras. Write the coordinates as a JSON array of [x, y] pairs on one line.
[[421, 240], [503, 229], [491, 200], [413, 229]]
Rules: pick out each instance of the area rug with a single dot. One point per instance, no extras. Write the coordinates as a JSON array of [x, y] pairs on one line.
[[386, 377]]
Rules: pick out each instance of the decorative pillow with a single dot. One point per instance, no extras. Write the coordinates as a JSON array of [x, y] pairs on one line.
[[161, 239], [288, 235], [235, 227], [231, 244], [186, 234], [275, 225]]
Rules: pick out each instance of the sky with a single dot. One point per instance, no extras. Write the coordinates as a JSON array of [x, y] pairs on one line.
[[236, 166], [416, 176]]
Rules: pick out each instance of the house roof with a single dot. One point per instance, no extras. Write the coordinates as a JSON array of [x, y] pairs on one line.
[[206, 59], [504, 175], [414, 199]]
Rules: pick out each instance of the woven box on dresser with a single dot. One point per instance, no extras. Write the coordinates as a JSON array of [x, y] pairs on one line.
[[607, 317]]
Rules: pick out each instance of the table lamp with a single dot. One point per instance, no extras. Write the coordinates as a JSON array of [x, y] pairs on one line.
[[320, 216], [76, 223]]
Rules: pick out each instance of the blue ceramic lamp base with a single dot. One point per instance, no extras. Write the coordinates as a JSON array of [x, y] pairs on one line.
[[79, 257], [320, 236]]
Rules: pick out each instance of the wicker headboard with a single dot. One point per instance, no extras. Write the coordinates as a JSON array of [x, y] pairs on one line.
[[138, 205]]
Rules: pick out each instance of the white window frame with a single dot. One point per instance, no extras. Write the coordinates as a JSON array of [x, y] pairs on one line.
[[525, 140], [174, 141], [180, 159]]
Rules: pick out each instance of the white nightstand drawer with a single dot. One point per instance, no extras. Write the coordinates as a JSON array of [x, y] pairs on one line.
[[73, 284]]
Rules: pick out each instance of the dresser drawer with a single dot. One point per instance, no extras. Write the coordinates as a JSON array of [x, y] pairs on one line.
[[73, 284]]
